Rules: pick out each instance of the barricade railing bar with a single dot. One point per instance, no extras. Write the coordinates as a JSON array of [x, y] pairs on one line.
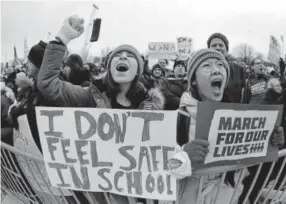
[[28, 189]]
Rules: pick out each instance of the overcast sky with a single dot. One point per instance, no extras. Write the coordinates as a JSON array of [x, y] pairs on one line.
[[140, 22]]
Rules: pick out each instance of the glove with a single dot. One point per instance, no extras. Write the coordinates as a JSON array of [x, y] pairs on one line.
[[72, 28], [277, 138]]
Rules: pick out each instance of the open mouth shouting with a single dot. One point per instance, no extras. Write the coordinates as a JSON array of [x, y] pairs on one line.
[[216, 84], [122, 67]]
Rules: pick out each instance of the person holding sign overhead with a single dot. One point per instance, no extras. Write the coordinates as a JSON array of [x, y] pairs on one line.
[[208, 75], [124, 91]]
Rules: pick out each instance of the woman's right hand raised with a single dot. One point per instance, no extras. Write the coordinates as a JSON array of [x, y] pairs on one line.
[[72, 28], [197, 150]]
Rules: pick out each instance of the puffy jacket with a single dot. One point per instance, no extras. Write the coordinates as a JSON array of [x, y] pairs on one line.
[[177, 87], [237, 87], [66, 94]]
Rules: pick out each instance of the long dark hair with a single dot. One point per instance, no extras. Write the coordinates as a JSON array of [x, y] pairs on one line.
[[136, 93]]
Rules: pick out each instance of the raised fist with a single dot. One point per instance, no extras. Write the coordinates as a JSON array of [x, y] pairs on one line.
[[72, 28]]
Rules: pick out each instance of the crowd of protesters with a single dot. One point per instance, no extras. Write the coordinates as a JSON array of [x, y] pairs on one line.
[[125, 81]]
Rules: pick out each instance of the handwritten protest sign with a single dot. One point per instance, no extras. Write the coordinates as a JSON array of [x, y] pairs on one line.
[[184, 46], [106, 150], [238, 133], [162, 50]]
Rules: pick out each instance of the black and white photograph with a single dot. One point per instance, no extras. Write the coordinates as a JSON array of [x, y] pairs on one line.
[[143, 102]]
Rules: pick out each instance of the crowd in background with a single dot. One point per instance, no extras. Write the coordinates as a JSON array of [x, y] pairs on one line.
[[124, 80]]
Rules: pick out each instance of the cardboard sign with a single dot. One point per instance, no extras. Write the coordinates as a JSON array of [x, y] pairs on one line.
[[274, 52], [162, 50], [184, 45], [237, 133], [24, 141], [106, 150]]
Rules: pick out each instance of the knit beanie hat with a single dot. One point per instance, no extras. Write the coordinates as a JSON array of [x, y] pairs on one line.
[[180, 62], [130, 49], [199, 57], [36, 54], [74, 61], [220, 36], [158, 66]]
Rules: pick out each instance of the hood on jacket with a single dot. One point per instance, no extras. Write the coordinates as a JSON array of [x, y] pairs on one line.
[[188, 104]]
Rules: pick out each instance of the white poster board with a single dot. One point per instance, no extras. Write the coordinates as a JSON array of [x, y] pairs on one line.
[[105, 150], [162, 50], [235, 134], [184, 45]]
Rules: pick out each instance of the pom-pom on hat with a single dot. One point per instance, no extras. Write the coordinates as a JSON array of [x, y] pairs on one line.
[[36, 54], [199, 57], [130, 49], [220, 36]]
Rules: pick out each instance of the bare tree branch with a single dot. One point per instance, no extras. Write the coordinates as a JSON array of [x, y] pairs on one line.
[[244, 52]]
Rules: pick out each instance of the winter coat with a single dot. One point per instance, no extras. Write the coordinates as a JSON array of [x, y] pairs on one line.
[[188, 187], [28, 98], [271, 98], [177, 87], [7, 98], [234, 92], [14, 170], [66, 94], [172, 101]]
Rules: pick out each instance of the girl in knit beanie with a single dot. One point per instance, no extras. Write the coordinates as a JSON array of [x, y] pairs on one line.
[[123, 89], [208, 74], [124, 67]]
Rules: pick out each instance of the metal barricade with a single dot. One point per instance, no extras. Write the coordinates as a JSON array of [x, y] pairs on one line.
[[16, 183], [268, 188]]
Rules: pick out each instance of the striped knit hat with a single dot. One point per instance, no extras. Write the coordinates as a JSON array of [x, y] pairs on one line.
[[130, 49], [200, 56]]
